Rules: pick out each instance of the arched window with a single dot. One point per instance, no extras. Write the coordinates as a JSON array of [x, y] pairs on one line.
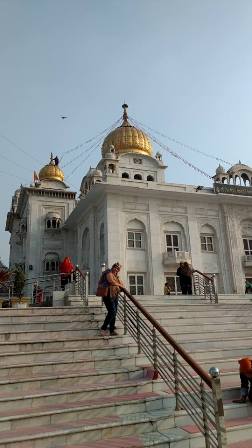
[[138, 177], [125, 175], [208, 239], [53, 221], [111, 168], [136, 235], [51, 262], [150, 178]]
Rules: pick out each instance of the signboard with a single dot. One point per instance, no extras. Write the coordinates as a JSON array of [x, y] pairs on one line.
[[232, 189]]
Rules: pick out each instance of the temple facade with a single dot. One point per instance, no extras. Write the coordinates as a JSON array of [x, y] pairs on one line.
[[127, 212]]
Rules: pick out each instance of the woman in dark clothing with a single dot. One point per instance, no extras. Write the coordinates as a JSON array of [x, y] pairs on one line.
[[184, 272]]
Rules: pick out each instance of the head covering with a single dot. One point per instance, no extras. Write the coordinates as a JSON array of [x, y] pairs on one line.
[[116, 266]]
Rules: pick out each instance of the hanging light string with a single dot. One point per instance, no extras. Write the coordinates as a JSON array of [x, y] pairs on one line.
[[173, 153], [87, 150], [80, 145], [90, 151], [184, 145], [12, 175], [18, 147], [92, 148]]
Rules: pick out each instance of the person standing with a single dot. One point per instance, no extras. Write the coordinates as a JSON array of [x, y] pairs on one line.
[[111, 281], [246, 380], [184, 272], [167, 289]]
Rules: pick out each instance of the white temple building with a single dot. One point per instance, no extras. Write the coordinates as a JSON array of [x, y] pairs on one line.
[[127, 212]]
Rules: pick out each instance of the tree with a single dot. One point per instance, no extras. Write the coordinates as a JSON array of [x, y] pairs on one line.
[[19, 282]]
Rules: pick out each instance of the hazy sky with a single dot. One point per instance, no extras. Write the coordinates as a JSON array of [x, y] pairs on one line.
[[183, 66]]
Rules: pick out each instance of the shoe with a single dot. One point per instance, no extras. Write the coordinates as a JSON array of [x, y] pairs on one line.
[[113, 333], [240, 400], [104, 333]]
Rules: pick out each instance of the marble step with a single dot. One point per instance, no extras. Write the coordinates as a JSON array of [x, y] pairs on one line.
[[221, 353], [214, 335], [51, 367], [47, 317], [10, 401], [239, 429], [217, 320], [172, 438], [81, 377], [26, 335], [59, 343], [36, 311], [92, 429], [67, 354], [230, 342], [71, 411]]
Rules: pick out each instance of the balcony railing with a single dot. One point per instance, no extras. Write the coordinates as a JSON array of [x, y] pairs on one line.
[[247, 260], [175, 257]]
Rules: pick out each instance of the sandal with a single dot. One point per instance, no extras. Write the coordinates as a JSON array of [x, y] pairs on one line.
[[240, 400]]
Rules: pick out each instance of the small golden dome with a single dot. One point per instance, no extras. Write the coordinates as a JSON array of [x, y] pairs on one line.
[[51, 171], [126, 138]]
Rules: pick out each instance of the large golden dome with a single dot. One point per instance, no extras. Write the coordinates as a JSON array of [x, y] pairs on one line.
[[127, 138], [51, 171]]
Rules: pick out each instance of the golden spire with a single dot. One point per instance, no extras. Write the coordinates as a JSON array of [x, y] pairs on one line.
[[127, 138], [51, 171], [125, 115]]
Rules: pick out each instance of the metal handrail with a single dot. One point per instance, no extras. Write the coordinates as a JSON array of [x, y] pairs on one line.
[[203, 284], [195, 390]]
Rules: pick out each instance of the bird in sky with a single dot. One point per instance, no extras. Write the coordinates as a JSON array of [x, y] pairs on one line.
[[63, 118]]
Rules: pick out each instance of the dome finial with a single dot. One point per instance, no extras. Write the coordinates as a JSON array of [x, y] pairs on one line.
[[125, 115]]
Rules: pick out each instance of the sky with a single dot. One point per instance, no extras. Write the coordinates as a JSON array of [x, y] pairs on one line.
[[184, 68]]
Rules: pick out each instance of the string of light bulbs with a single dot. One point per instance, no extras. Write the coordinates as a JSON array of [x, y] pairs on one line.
[[192, 148], [174, 154]]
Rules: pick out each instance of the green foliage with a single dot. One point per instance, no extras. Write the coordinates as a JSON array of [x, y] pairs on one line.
[[19, 282]]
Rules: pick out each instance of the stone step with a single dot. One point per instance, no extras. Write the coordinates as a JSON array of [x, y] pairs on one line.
[[231, 342], [50, 326], [52, 367], [80, 377], [47, 317], [37, 311], [10, 401], [238, 429], [172, 438], [207, 327], [221, 353], [62, 343], [170, 321], [204, 335], [68, 354], [55, 413], [21, 336], [92, 429], [81, 315]]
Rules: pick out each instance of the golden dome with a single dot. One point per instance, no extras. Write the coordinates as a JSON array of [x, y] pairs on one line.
[[51, 171], [126, 138]]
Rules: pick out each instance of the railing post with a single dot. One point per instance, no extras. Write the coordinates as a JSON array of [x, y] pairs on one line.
[[124, 315], [218, 405], [86, 287], [204, 413], [138, 333], [155, 357], [176, 380]]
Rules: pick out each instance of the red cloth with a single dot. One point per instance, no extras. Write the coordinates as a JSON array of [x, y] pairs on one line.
[[66, 267], [245, 366]]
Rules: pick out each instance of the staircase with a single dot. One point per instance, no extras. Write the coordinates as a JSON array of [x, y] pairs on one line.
[[64, 386]]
